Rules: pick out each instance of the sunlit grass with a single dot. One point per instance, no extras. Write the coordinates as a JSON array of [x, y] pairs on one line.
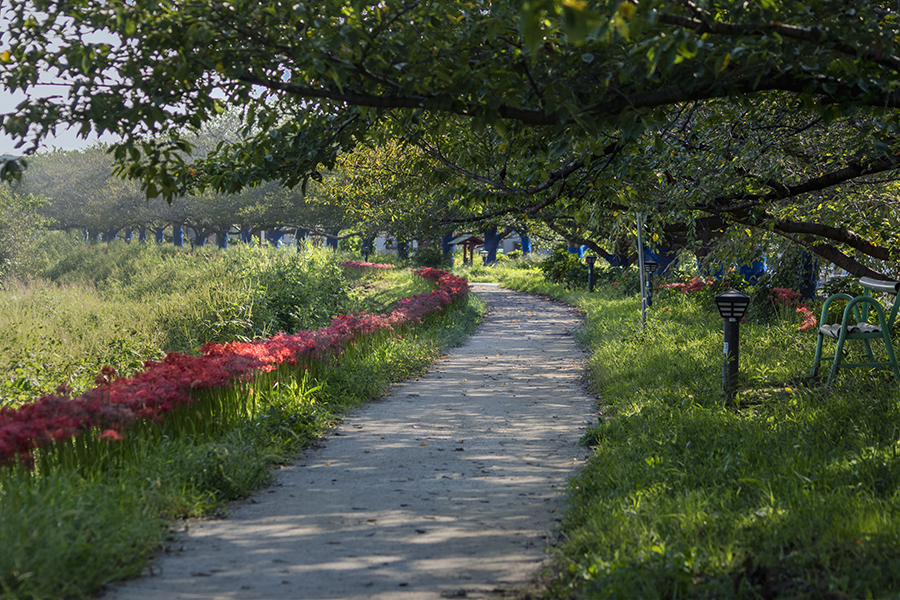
[[94, 510], [120, 305], [790, 491]]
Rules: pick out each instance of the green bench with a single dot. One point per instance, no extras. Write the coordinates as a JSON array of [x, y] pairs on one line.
[[855, 325]]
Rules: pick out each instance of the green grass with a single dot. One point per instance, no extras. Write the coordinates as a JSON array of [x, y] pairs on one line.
[[790, 491], [67, 529], [121, 304], [379, 291], [96, 510]]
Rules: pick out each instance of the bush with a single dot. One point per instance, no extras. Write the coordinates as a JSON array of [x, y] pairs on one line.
[[20, 230], [121, 304], [431, 256], [565, 268]]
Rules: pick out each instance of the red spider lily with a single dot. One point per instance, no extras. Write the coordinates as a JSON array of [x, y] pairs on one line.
[[785, 296], [111, 434], [809, 319], [117, 403], [694, 285]]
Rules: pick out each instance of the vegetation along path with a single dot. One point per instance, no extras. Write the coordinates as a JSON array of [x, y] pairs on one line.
[[449, 487]]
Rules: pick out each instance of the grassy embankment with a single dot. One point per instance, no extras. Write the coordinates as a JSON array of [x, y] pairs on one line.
[[122, 304], [791, 491], [74, 524]]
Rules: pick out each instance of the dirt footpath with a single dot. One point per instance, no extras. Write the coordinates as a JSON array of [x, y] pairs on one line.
[[450, 487]]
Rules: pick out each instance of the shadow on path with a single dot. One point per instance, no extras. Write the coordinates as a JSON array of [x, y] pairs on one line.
[[447, 488]]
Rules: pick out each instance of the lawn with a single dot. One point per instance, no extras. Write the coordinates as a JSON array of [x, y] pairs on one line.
[[789, 491]]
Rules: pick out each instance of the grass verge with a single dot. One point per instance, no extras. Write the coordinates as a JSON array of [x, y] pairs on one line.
[[67, 531], [790, 491]]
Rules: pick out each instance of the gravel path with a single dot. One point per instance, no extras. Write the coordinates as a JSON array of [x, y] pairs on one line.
[[450, 487]]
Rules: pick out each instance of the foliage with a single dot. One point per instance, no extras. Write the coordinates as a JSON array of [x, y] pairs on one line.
[[769, 120], [121, 304], [790, 491], [566, 268], [82, 193], [430, 256], [68, 531], [171, 385], [20, 228]]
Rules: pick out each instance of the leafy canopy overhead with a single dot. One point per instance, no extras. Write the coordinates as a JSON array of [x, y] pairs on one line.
[[573, 86]]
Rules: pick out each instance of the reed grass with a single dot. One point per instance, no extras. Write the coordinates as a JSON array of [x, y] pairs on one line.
[[121, 304]]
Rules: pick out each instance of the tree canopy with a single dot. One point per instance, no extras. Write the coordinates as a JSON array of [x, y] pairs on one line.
[[766, 115]]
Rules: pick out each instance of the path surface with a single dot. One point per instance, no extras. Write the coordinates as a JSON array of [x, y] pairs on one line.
[[450, 487]]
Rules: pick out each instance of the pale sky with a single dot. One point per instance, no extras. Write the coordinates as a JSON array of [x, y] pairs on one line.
[[64, 140]]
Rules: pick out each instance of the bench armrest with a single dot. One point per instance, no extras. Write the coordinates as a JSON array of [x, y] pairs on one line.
[[824, 318], [878, 285], [857, 314]]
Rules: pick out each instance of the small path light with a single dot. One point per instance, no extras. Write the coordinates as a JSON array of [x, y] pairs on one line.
[[732, 305], [591, 261], [650, 266], [484, 255]]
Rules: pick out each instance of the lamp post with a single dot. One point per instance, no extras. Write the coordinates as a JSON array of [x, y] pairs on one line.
[[650, 266], [732, 305], [591, 260], [484, 255]]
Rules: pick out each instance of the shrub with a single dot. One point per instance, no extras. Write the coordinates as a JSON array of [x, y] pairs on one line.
[[565, 268], [431, 256], [20, 230]]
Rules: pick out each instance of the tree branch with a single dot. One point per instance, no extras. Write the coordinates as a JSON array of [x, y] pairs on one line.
[[814, 35]]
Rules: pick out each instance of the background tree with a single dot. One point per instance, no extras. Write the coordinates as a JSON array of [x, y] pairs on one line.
[[589, 83], [20, 226]]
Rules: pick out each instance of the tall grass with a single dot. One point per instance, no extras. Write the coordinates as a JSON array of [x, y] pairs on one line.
[[72, 525], [122, 304], [790, 491]]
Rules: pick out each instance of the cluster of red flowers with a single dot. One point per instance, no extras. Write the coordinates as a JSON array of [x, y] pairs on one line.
[[809, 319], [117, 403], [790, 299], [785, 296], [355, 264], [694, 285]]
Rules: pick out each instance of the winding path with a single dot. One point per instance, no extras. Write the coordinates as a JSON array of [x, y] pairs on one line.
[[450, 487]]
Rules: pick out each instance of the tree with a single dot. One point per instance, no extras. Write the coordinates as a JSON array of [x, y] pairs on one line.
[[82, 193], [586, 84], [20, 227]]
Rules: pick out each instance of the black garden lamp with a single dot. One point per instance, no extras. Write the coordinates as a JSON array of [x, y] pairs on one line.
[[591, 261], [732, 305], [484, 255], [650, 267]]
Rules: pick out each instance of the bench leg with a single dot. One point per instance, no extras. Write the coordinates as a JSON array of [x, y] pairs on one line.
[[892, 358], [869, 352], [818, 357], [838, 354]]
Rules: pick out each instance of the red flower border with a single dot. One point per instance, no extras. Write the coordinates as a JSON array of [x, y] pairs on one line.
[[118, 403]]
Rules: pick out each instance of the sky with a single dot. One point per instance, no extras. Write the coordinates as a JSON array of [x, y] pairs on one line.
[[64, 140]]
